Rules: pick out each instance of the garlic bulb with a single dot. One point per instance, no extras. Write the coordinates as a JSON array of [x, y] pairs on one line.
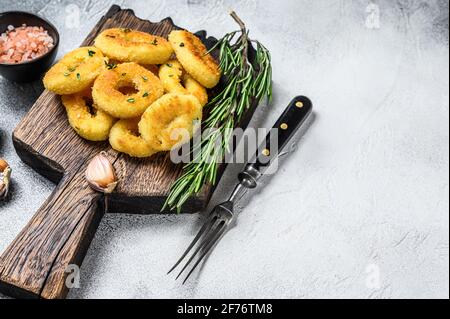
[[5, 176], [100, 174]]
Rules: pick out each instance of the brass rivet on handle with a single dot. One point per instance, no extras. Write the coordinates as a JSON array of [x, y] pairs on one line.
[[265, 152], [299, 104], [283, 126]]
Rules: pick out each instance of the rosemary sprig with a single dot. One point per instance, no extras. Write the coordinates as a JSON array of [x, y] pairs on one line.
[[244, 83]]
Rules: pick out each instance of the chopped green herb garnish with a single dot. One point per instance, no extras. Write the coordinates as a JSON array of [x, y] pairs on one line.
[[181, 44], [78, 76], [130, 100], [169, 65], [71, 69], [145, 78], [145, 94], [110, 66], [170, 75], [66, 74], [91, 53], [154, 42], [126, 30]]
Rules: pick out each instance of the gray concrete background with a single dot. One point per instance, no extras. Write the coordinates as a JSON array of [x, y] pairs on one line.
[[359, 210]]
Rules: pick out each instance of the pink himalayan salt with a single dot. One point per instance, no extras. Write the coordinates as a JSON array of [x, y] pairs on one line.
[[23, 44]]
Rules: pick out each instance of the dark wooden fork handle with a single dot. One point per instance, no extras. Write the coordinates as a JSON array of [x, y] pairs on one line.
[[283, 130]]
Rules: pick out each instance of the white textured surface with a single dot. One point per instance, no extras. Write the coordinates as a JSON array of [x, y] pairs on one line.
[[365, 193]]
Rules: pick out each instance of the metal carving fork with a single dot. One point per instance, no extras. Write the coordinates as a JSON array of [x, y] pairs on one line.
[[222, 215]]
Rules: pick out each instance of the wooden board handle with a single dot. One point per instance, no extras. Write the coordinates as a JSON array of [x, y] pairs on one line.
[[36, 264]]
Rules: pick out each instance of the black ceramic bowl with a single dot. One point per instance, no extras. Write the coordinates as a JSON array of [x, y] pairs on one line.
[[30, 70]]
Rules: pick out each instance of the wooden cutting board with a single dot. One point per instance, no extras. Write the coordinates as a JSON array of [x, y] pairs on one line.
[[58, 236]]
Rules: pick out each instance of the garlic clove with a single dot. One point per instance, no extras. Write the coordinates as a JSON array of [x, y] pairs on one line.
[[2, 190], [3, 165], [101, 175], [5, 177]]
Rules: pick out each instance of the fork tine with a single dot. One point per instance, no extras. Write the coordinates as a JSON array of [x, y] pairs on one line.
[[208, 236], [207, 249], [209, 223]]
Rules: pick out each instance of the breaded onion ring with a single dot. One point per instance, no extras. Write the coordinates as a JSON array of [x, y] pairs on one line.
[[124, 137], [134, 46], [88, 121], [175, 80], [75, 71], [192, 54], [107, 95], [170, 121]]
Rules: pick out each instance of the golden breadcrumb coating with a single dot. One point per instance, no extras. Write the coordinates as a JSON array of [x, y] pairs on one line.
[[107, 95], [134, 46], [175, 80], [170, 121], [87, 120], [124, 137], [76, 71], [192, 54]]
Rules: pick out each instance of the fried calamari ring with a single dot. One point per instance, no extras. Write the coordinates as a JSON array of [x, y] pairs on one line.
[[195, 88], [134, 46], [124, 137], [192, 54], [88, 121], [75, 71], [175, 80], [108, 96], [170, 121]]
